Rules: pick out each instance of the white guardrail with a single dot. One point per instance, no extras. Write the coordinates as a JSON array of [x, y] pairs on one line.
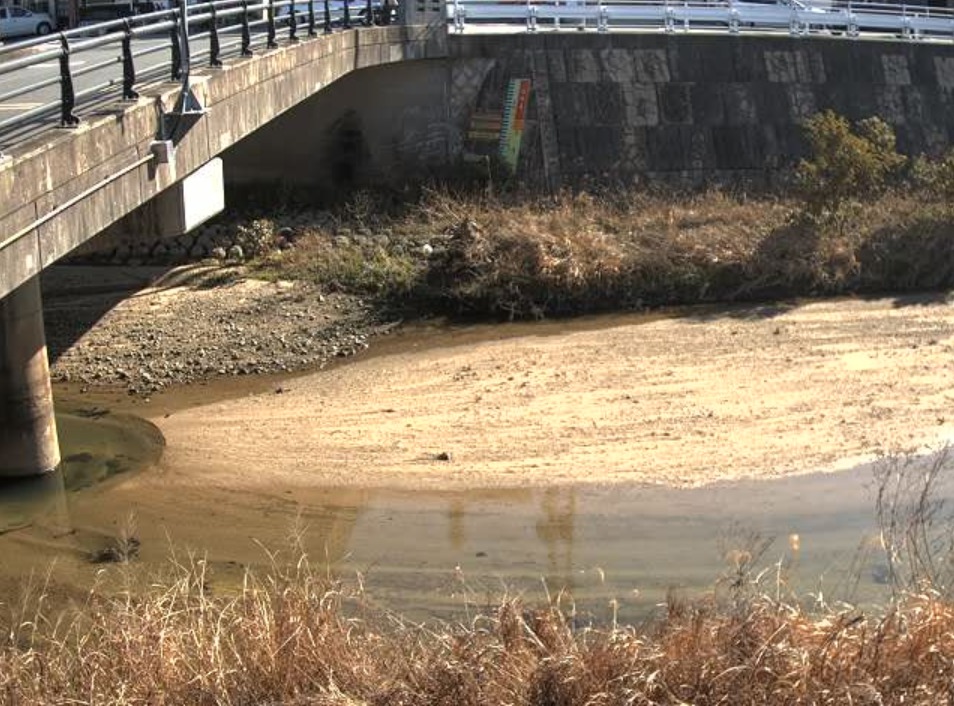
[[797, 17]]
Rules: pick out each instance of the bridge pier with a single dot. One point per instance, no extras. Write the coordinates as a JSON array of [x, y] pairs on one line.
[[28, 441]]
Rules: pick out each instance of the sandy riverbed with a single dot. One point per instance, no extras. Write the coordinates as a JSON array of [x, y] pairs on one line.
[[749, 392]]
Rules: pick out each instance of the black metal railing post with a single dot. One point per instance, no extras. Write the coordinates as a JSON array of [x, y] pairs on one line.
[[246, 36], [176, 68], [327, 17], [346, 22], [67, 95], [129, 68], [386, 12], [311, 18], [270, 15], [293, 24], [368, 14], [214, 47]]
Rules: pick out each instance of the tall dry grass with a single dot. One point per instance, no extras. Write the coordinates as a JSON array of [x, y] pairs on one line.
[[294, 637], [518, 257]]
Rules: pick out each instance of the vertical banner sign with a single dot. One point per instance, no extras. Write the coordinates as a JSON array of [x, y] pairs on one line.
[[515, 111]]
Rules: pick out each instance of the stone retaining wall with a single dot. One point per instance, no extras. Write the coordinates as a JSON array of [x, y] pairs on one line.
[[695, 108], [610, 107]]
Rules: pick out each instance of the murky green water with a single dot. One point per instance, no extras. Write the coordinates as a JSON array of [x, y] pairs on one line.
[[96, 446], [447, 553]]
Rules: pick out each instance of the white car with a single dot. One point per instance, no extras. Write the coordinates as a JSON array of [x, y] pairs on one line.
[[17, 22], [777, 13]]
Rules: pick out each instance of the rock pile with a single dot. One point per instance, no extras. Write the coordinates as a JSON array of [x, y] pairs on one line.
[[232, 241]]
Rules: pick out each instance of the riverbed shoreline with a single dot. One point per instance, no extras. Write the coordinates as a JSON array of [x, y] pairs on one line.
[[713, 394]]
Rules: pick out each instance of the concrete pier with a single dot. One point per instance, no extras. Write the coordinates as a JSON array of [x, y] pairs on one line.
[[28, 442]]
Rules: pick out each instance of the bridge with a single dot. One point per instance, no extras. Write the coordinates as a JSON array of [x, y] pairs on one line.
[[679, 91]]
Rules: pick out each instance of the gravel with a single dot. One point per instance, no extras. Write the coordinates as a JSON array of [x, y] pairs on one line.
[[193, 324]]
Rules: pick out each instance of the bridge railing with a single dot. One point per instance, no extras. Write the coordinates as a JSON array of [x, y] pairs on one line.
[[795, 17], [92, 64]]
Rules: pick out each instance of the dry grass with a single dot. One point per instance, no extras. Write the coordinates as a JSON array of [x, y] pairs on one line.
[[522, 257], [293, 638]]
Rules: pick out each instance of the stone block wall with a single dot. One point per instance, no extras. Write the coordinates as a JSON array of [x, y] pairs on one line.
[[693, 108]]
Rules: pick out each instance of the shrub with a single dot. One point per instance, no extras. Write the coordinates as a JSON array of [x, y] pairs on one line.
[[846, 164], [257, 237], [934, 179]]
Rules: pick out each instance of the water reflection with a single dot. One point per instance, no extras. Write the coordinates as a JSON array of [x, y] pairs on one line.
[[555, 531]]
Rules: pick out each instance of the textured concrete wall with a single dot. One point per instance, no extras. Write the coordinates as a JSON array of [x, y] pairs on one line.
[[366, 127], [691, 108], [241, 98]]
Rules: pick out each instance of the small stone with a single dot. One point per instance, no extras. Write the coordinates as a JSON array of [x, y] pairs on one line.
[[443, 456], [218, 253], [236, 253]]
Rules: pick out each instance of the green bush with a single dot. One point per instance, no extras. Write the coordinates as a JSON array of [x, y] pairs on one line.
[[934, 179], [846, 164]]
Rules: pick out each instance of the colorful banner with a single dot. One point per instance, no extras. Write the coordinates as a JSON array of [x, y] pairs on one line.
[[515, 111]]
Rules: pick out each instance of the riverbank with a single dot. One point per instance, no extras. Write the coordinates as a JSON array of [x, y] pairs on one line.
[[707, 396], [711, 394]]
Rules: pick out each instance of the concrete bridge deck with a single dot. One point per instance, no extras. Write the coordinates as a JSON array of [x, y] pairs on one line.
[[41, 178]]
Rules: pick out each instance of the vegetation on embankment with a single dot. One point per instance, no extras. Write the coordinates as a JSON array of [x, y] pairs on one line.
[[858, 218]]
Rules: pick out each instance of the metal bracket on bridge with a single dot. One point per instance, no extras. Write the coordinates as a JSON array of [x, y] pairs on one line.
[[183, 116], [293, 23], [246, 36], [270, 42], [852, 25], [460, 17], [187, 110]]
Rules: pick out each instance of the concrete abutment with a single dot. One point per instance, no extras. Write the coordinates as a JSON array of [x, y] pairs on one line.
[[28, 439]]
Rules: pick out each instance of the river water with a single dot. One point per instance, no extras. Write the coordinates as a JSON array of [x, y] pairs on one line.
[[423, 553], [441, 553]]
